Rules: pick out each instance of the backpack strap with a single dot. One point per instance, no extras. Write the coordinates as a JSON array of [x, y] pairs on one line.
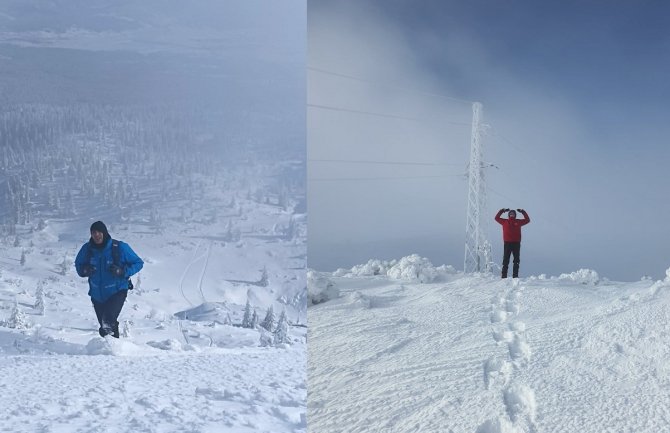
[[115, 252], [89, 253], [117, 260]]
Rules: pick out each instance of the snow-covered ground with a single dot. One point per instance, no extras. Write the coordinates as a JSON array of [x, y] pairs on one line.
[[472, 353], [186, 364]]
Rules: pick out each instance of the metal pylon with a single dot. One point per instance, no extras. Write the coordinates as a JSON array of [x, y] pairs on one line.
[[477, 247]]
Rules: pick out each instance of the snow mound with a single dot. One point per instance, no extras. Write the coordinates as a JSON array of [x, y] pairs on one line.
[[112, 346], [99, 346], [582, 276], [319, 288], [206, 312], [412, 268], [169, 344]]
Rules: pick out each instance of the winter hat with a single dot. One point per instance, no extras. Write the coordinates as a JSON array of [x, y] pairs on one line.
[[99, 226], [512, 212]]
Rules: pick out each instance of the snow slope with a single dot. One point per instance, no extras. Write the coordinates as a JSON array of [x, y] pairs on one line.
[[185, 363], [470, 353]]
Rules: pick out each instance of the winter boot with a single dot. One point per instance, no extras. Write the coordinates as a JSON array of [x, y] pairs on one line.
[[115, 330]]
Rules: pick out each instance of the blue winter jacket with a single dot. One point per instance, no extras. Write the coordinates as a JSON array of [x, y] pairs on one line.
[[103, 284]]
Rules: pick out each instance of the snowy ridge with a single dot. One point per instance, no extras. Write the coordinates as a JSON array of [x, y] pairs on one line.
[[477, 354]]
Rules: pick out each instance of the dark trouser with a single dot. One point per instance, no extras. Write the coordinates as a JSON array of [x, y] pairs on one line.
[[515, 249], [108, 313]]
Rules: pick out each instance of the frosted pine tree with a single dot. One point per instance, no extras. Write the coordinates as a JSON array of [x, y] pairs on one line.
[[18, 319], [23, 257], [281, 333], [269, 321], [39, 299], [246, 321], [263, 282], [254, 320], [64, 266]]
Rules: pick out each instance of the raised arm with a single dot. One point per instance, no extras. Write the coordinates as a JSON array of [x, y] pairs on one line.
[[498, 219], [526, 218]]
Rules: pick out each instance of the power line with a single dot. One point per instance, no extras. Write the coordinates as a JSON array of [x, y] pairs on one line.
[[395, 86], [345, 161], [371, 113], [337, 179]]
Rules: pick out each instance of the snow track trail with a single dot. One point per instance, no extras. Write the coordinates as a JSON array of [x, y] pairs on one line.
[[195, 259], [520, 407], [481, 355]]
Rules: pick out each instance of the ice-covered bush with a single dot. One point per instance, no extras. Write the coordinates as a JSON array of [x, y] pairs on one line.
[[371, 268], [319, 288], [417, 268], [582, 276]]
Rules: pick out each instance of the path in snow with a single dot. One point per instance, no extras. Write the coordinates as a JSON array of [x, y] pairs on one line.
[[481, 355]]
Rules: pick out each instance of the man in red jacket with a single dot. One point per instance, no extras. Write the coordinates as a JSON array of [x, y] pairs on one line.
[[512, 237]]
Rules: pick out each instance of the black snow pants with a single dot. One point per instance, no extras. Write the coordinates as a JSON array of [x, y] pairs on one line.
[[108, 313], [511, 248]]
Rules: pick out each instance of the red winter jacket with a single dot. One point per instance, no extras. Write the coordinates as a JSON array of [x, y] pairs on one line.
[[512, 227]]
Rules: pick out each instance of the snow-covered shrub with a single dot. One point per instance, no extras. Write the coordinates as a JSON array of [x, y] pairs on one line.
[[319, 288], [125, 329], [416, 268], [582, 276], [372, 267], [265, 338]]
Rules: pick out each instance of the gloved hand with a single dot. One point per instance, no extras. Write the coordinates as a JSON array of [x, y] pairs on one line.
[[117, 271], [505, 210], [87, 270], [520, 210]]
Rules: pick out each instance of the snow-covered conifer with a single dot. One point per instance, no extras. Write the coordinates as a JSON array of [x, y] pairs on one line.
[[39, 299], [254, 320], [23, 257], [269, 321], [281, 333], [64, 266], [246, 321], [263, 282], [18, 319]]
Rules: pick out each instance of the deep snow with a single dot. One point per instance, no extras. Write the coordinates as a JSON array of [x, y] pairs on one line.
[[186, 365], [473, 353]]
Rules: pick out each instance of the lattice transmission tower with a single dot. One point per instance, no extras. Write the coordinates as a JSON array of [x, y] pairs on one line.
[[477, 246]]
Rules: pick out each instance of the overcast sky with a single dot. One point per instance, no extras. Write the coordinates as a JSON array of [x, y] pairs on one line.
[[575, 95]]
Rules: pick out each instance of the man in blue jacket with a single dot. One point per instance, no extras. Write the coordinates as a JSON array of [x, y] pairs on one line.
[[108, 264]]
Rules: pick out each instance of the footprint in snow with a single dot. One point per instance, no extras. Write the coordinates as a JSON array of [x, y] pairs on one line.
[[520, 403], [496, 370]]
